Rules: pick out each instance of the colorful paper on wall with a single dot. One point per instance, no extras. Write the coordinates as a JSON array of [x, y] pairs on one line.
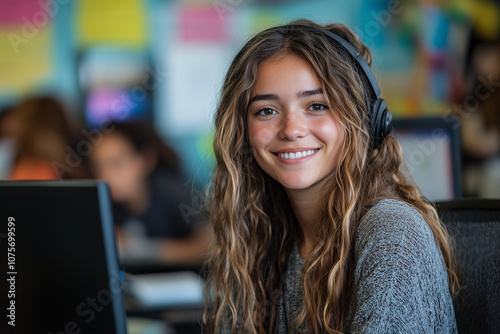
[[193, 87], [485, 15], [117, 22], [204, 147], [25, 60], [261, 20], [201, 24], [14, 12]]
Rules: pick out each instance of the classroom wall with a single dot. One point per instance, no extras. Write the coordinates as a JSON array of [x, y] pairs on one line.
[[419, 51]]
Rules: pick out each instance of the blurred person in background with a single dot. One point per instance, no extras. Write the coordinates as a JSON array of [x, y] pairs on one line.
[[8, 126], [43, 139], [481, 119], [154, 213]]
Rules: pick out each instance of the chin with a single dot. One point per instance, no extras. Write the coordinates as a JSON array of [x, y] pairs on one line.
[[302, 182], [296, 183]]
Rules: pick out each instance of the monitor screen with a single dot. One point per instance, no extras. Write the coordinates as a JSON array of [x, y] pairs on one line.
[[431, 169], [116, 104], [117, 84], [432, 155], [58, 258]]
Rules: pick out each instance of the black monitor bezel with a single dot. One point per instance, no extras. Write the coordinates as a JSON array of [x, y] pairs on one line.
[[108, 233]]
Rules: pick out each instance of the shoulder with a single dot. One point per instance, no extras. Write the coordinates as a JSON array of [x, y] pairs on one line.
[[35, 169], [400, 281], [391, 211], [168, 188], [395, 231], [391, 219], [164, 180]]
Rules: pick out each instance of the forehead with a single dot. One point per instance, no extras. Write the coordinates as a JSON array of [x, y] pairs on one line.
[[285, 72]]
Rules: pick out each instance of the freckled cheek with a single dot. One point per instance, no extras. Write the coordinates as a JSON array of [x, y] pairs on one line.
[[260, 137], [328, 131]]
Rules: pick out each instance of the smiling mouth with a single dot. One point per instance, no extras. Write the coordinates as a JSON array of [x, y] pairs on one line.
[[296, 155]]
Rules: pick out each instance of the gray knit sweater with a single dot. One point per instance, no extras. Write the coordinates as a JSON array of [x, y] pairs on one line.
[[400, 282]]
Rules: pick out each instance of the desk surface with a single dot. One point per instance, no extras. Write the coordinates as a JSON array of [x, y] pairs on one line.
[[172, 298], [165, 322]]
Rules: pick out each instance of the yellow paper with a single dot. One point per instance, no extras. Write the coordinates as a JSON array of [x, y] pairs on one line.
[[485, 15], [25, 59], [117, 22]]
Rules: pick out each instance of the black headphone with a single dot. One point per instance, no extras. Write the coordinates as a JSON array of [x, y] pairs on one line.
[[380, 115]]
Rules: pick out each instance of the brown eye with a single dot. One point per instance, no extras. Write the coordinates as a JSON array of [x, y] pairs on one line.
[[317, 107], [266, 112]]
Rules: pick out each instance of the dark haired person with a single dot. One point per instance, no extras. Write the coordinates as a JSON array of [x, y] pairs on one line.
[[156, 214], [316, 228]]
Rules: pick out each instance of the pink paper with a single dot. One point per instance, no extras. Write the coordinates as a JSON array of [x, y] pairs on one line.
[[201, 23], [12, 12]]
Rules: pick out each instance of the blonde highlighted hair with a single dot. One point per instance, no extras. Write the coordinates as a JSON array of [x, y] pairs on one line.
[[254, 225]]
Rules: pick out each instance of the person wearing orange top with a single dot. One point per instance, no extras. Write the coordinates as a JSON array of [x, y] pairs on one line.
[[42, 138]]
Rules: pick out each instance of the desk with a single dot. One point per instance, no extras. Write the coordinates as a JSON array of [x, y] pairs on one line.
[[148, 326], [186, 321], [174, 298]]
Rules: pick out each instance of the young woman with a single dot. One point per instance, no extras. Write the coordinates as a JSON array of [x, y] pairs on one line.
[[316, 229]]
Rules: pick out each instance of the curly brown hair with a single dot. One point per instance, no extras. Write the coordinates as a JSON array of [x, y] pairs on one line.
[[254, 225]]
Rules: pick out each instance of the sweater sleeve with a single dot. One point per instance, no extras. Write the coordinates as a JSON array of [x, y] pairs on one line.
[[401, 284]]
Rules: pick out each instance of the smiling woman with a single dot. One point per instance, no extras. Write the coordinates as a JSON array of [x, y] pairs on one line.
[[295, 137], [316, 228]]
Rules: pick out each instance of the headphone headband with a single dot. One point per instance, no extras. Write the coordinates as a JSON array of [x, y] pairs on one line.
[[358, 58]]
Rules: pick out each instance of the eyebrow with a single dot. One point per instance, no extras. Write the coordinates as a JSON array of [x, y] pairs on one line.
[[308, 93], [266, 97], [263, 97]]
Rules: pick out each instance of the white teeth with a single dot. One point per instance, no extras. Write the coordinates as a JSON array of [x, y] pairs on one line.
[[296, 155]]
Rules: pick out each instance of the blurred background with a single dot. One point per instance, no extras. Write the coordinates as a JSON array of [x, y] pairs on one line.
[[163, 62], [125, 91]]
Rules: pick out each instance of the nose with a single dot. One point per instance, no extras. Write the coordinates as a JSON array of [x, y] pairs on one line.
[[293, 126]]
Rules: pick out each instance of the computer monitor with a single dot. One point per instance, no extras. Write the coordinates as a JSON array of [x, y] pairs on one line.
[[431, 148], [117, 84], [59, 268]]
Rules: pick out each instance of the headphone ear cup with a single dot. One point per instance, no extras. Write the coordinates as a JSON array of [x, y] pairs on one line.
[[387, 121], [382, 122]]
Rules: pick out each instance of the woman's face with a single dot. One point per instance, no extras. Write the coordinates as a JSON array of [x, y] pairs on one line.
[[116, 161], [295, 137]]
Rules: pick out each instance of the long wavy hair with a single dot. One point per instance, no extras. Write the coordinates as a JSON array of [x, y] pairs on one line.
[[253, 221]]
